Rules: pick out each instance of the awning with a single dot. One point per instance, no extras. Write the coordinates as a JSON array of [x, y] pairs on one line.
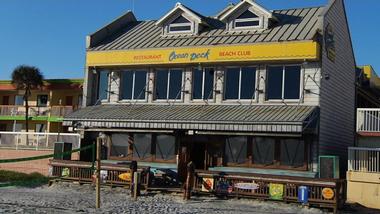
[[216, 118]]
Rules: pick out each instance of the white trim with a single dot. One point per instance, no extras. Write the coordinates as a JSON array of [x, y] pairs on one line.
[[248, 20], [253, 4], [180, 25], [161, 21], [42, 133]]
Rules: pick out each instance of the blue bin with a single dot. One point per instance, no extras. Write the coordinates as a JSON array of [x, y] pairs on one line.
[[303, 194]]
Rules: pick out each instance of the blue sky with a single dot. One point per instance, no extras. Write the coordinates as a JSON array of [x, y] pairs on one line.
[[51, 34]]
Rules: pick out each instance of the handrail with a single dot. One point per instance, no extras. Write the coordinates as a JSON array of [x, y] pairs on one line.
[[368, 120], [364, 149], [364, 159]]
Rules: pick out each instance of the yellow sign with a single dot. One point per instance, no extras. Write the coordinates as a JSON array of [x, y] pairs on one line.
[[207, 184], [65, 172], [308, 50], [328, 193], [276, 191], [126, 177]]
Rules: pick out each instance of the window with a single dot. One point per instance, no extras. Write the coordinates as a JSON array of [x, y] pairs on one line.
[[42, 100], [120, 145], [17, 127], [240, 83], [203, 83], [236, 150], [279, 152], [103, 85], [263, 151], [180, 25], [165, 147], [247, 20], [283, 82], [142, 146], [168, 84], [131, 146], [19, 100], [292, 152], [133, 85], [40, 128]]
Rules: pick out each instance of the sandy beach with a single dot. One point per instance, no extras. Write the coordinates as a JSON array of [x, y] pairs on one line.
[[73, 198]]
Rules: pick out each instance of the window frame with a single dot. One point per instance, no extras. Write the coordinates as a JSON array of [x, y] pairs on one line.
[[181, 99], [189, 24], [98, 99], [203, 84], [237, 20], [38, 102], [239, 94], [44, 126], [300, 99], [133, 85], [153, 153], [23, 100], [249, 163]]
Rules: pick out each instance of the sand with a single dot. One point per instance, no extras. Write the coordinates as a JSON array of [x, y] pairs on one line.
[[73, 198]]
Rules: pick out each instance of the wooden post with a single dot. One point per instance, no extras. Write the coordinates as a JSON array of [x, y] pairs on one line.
[[98, 157], [133, 169], [188, 187], [136, 185]]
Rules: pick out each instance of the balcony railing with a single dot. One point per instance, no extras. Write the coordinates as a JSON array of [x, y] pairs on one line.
[[364, 159], [368, 120], [36, 141], [53, 111]]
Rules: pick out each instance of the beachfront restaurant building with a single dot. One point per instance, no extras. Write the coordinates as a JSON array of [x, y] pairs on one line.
[[248, 90]]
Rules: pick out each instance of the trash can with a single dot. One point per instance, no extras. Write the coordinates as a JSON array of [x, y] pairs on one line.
[[303, 194]]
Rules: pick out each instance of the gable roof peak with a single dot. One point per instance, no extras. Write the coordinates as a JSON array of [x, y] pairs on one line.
[[179, 6], [241, 3]]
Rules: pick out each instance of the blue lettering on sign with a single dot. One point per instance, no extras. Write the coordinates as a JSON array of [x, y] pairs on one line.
[[191, 56]]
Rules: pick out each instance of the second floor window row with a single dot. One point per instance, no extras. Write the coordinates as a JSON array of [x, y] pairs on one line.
[[240, 83]]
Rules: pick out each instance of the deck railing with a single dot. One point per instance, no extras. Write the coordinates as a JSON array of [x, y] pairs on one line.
[[226, 184], [56, 111], [83, 172], [364, 159], [368, 120], [36, 141]]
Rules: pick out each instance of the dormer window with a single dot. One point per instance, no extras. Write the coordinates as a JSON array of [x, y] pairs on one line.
[[247, 20], [181, 20], [180, 25], [247, 15]]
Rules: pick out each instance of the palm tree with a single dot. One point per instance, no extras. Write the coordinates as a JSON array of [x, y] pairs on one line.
[[27, 78]]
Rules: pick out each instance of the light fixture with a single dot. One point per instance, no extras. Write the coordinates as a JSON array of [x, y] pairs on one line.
[[102, 135], [199, 66]]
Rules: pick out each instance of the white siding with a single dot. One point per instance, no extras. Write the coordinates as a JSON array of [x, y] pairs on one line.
[[337, 118]]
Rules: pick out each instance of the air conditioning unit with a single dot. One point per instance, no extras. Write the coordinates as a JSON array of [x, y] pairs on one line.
[[328, 166]]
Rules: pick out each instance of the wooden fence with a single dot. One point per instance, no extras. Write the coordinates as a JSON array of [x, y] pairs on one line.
[[83, 172], [226, 184]]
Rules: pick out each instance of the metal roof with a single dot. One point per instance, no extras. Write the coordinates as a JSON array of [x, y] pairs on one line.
[[197, 117], [293, 25]]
